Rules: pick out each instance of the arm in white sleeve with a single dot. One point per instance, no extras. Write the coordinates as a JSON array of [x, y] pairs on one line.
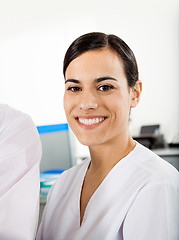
[[154, 215], [20, 155]]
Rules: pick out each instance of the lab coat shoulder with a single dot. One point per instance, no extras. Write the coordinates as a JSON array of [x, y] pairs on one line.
[[18, 127], [20, 146], [20, 155], [155, 207], [154, 166]]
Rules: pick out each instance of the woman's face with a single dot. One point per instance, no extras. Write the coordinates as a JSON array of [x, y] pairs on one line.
[[97, 99]]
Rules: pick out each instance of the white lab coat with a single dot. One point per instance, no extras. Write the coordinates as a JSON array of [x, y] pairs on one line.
[[20, 154], [138, 200]]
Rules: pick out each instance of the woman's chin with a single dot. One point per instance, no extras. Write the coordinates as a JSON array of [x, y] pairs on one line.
[[88, 142]]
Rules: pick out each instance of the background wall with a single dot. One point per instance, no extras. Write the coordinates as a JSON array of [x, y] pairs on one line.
[[35, 34]]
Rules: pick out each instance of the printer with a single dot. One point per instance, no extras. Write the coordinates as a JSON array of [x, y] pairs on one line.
[[151, 137]]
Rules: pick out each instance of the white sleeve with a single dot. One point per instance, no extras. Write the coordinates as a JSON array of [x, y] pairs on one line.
[[154, 214], [20, 155]]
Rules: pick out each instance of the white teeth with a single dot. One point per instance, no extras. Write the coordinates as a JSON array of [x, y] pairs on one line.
[[90, 121]]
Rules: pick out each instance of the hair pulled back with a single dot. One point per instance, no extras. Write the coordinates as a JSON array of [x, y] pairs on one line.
[[98, 40]]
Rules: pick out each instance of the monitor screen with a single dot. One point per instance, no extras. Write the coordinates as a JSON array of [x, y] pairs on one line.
[[56, 147]]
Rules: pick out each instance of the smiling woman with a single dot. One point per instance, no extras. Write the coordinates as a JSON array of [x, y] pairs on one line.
[[94, 81], [113, 194]]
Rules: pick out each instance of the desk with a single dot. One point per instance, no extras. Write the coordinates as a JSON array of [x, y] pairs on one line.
[[171, 155]]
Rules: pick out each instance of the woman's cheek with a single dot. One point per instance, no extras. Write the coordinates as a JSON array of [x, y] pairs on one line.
[[66, 102]]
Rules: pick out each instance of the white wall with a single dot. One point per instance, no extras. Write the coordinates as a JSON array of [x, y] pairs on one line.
[[34, 36]]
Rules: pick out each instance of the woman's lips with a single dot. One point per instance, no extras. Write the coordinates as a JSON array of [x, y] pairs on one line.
[[90, 121]]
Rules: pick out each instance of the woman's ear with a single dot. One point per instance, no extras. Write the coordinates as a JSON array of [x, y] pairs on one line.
[[135, 93]]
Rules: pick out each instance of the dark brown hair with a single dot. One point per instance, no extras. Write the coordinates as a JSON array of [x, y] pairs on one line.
[[98, 40]]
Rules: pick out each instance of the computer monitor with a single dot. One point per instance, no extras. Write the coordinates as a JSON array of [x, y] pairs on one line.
[[57, 150]]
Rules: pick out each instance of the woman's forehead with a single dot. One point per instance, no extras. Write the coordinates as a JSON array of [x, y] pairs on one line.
[[102, 61]]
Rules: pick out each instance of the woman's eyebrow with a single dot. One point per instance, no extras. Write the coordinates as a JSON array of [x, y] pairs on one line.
[[104, 78], [97, 80], [72, 80]]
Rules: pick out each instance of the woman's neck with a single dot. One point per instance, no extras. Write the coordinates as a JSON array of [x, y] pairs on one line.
[[105, 156]]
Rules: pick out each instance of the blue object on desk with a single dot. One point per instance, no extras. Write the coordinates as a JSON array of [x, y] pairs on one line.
[[47, 179]]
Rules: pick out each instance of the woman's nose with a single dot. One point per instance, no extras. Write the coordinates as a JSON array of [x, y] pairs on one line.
[[88, 101]]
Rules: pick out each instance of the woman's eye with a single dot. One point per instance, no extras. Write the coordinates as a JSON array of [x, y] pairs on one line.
[[74, 89], [105, 88]]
